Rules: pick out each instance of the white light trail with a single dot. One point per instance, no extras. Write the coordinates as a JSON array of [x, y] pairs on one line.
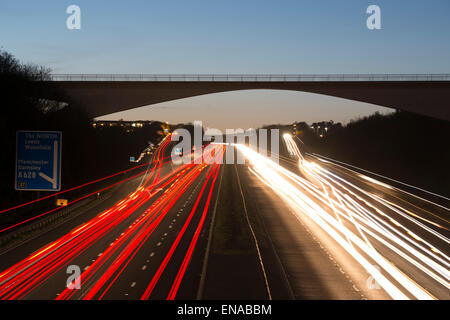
[[364, 228]]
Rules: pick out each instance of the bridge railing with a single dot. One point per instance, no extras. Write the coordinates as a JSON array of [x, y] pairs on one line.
[[250, 77]]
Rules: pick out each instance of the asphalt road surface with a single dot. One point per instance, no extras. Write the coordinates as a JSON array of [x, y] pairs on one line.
[[136, 245], [340, 234], [306, 228]]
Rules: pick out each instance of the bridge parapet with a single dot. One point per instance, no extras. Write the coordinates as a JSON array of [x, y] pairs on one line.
[[252, 77]]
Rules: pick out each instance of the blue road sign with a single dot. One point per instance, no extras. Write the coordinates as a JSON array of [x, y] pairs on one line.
[[38, 160], [178, 151], [132, 159]]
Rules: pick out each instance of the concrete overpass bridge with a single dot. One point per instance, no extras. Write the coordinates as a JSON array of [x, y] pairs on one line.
[[101, 94]]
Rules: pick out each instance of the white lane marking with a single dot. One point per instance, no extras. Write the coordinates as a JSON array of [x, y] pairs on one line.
[[254, 236], [158, 244], [152, 254], [144, 267], [133, 284]]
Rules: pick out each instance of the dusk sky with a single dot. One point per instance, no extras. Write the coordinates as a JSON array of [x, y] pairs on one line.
[[284, 37]]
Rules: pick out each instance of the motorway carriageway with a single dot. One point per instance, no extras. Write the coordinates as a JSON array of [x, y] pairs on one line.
[[387, 243], [140, 248]]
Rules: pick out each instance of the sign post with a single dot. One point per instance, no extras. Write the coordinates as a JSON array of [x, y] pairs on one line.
[[38, 160]]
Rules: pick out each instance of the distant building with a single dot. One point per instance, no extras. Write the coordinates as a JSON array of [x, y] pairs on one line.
[[128, 126], [324, 128], [321, 129]]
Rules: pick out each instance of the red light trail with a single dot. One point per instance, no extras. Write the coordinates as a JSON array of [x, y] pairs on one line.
[[27, 275]]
